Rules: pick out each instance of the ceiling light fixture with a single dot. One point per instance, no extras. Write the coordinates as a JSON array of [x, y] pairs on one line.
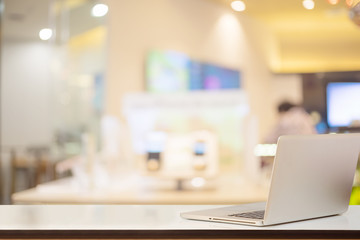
[[354, 14], [349, 3], [333, 2], [308, 4], [45, 34], [238, 6], [99, 10]]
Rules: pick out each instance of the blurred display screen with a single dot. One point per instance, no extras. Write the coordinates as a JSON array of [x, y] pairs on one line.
[[169, 71], [215, 77], [343, 104], [199, 148]]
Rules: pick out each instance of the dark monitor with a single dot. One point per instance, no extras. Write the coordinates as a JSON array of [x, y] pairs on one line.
[[343, 104]]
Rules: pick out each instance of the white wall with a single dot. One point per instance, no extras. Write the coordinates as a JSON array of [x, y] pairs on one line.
[[25, 116], [286, 87], [201, 29]]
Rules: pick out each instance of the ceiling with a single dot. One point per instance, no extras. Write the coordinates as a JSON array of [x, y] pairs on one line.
[[320, 40], [23, 19], [290, 14], [18, 14]]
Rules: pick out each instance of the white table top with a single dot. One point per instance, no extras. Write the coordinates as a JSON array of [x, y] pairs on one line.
[[151, 217], [117, 219]]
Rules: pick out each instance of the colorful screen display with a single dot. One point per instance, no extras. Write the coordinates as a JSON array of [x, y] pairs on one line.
[[169, 71], [215, 77]]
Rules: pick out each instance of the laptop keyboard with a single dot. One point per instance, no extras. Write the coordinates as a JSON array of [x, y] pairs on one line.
[[254, 214]]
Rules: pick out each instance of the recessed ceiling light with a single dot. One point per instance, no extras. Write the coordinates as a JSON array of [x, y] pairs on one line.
[[349, 3], [308, 4], [45, 34], [99, 10], [238, 6], [333, 2]]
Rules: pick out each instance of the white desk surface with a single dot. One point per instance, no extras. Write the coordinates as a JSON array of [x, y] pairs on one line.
[[147, 219], [144, 217], [142, 191]]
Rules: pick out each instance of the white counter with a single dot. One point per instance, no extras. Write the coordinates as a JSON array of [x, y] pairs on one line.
[[51, 221]]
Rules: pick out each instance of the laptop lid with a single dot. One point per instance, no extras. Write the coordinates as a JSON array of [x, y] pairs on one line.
[[312, 176]]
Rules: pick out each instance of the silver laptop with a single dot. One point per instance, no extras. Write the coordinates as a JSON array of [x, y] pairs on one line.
[[312, 177]]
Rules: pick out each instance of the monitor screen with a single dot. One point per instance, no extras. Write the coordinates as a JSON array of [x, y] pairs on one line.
[[216, 77], [343, 104], [170, 71], [167, 71]]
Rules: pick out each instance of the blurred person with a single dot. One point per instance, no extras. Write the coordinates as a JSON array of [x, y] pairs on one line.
[[293, 120]]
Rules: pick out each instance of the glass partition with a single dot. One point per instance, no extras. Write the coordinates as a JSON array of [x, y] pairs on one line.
[[52, 78]]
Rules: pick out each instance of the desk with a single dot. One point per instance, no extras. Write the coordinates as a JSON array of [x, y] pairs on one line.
[[132, 191], [155, 221]]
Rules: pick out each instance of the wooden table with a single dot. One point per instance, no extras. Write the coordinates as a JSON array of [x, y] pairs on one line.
[[155, 221], [141, 190]]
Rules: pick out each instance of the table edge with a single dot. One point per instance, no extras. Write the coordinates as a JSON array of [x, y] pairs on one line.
[[178, 234]]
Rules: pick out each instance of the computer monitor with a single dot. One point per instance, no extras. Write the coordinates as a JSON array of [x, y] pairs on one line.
[[171, 71], [343, 104]]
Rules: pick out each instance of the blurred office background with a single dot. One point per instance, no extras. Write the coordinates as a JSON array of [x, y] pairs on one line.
[[165, 101]]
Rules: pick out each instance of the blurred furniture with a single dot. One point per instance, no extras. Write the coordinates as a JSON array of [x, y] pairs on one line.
[[1, 180], [156, 222], [30, 166], [140, 190]]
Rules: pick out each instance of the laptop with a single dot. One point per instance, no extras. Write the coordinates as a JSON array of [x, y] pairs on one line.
[[312, 177]]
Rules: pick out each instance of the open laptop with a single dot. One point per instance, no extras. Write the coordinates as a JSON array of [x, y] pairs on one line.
[[312, 177]]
